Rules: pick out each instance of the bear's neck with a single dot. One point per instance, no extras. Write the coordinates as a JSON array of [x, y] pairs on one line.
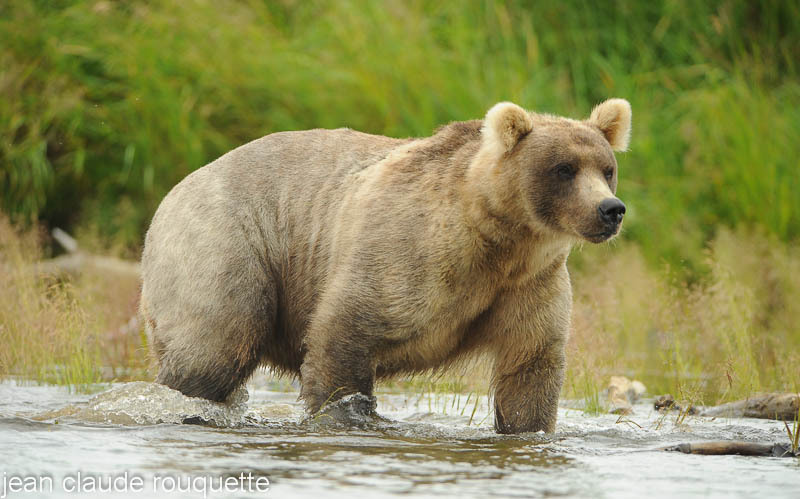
[[513, 249], [491, 204]]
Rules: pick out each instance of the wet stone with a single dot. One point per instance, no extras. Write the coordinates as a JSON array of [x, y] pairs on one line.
[[622, 393]]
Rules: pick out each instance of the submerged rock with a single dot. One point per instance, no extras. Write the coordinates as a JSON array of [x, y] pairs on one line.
[[667, 403], [275, 412]]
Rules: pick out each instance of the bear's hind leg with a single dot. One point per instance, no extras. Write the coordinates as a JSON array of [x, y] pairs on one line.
[[209, 376], [210, 369], [208, 351]]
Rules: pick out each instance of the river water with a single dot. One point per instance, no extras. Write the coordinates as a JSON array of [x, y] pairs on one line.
[[129, 439]]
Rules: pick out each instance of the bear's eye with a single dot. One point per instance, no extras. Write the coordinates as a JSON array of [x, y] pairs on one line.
[[609, 174], [565, 171]]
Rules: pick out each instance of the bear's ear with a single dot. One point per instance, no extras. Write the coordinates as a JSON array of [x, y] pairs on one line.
[[613, 118], [504, 125]]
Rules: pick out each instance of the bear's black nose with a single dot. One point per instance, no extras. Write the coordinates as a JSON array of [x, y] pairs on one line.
[[611, 210]]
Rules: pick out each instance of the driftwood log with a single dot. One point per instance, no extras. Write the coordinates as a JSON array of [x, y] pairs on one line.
[[76, 260], [780, 406], [75, 263], [733, 447]]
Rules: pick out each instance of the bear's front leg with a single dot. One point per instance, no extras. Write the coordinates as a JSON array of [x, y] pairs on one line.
[[526, 389], [529, 329]]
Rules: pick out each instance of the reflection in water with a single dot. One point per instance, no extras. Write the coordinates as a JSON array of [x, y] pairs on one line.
[[345, 458], [412, 451]]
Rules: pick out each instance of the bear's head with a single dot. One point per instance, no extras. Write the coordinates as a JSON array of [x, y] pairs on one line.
[[558, 173]]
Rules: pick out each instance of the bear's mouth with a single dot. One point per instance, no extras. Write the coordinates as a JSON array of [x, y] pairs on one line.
[[599, 237]]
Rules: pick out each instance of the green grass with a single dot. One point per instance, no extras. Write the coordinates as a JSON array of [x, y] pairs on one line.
[[794, 433], [105, 106]]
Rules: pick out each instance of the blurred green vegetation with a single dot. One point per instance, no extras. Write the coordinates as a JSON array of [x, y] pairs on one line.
[[105, 105]]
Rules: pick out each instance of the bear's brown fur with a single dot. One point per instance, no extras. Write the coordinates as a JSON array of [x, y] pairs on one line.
[[344, 257]]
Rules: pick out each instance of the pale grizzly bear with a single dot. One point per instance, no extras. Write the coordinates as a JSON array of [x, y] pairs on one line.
[[343, 258]]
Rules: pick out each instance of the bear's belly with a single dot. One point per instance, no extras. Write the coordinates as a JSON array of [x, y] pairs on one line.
[[433, 339]]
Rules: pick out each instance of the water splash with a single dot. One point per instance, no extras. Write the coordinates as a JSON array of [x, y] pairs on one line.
[[142, 403]]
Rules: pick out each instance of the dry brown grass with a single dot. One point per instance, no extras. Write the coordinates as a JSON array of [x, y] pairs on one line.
[[59, 328], [731, 333]]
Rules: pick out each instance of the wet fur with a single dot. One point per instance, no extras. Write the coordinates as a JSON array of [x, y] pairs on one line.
[[344, 257]]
